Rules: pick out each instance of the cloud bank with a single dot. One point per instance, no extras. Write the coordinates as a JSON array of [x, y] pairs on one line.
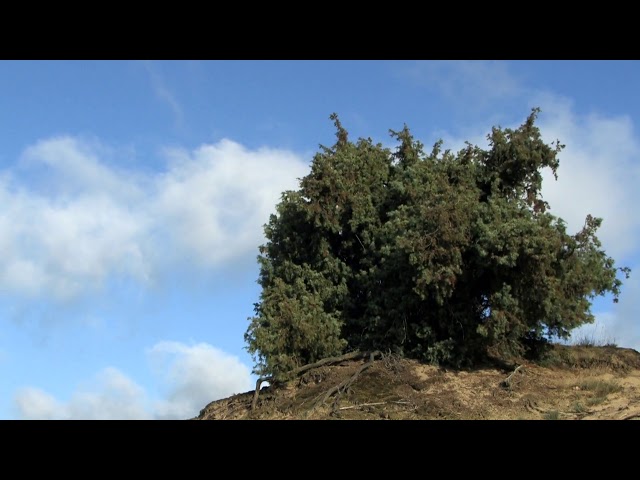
[[111, 395], [598, 174], [195, 376], [190, 377], [69, 220]]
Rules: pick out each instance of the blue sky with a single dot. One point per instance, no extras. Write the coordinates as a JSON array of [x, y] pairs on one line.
[[133, 194]]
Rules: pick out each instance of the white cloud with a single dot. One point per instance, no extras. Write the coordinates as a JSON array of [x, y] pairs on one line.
[[192, 376], [598, 173], [77, 169], [217, 198], [64, 232], [110, 396], [35, 404], [617, 323], [197, 375], [61, 245]]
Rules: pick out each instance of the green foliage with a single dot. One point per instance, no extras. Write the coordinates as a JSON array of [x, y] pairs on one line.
[[435, 256]]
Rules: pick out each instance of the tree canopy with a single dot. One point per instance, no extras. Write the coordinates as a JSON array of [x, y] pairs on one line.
[[435, 256]]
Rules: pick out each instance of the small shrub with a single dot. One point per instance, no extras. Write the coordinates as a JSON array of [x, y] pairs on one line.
[[552, 415], [578, 407], [601, 388]]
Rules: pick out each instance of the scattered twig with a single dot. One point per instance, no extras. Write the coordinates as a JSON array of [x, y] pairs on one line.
[[350, 407], [391, 361]]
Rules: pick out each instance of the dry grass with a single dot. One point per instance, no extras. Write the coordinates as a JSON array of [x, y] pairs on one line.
[[578, 407], [600, 390], [593, 341]]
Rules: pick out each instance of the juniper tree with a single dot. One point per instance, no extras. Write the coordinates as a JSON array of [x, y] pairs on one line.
[[436, 256]]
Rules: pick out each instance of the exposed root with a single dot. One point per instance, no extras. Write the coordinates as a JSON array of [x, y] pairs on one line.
[[532, 406], [633, 416], [304, 368], [346, 384], [259, 383], [325, 361]]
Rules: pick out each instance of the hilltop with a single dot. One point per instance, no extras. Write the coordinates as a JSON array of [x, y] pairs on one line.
[[570, 383]]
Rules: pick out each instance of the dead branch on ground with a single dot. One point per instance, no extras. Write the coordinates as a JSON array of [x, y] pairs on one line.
[[361, 405], [506, 383]]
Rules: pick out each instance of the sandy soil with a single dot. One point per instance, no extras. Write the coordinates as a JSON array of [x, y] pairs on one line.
[[572, 383]]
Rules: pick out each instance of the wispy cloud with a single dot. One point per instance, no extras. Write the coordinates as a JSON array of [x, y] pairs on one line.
[[86, 221], [164, 94], [191, 376], [469, 83]]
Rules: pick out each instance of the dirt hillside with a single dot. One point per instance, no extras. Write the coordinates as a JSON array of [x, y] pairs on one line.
[[571, 383]]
